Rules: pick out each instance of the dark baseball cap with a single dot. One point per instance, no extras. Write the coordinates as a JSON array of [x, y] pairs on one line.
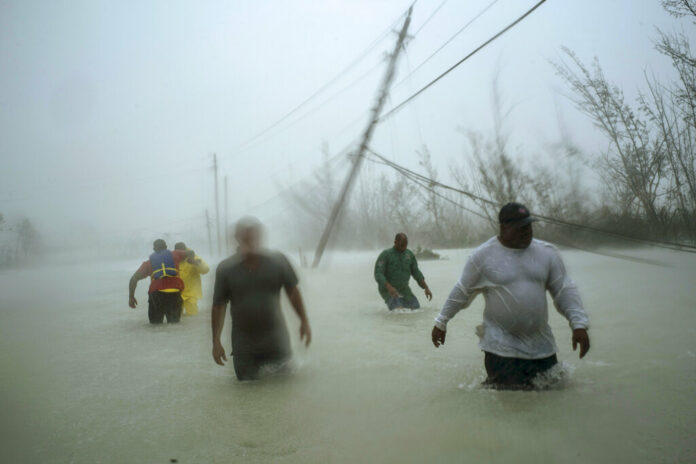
[[516, 215]]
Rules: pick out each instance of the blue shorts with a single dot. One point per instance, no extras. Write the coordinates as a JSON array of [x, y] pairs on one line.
[[402, 302]]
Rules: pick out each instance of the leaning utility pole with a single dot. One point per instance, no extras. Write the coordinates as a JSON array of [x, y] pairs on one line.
[[367, 135], [217, 206], [210, 240]]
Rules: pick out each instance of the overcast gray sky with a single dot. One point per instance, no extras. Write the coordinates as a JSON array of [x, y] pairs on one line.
[[110, 111]]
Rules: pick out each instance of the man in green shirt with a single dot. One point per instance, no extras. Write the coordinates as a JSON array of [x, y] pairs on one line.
[[393, 269]]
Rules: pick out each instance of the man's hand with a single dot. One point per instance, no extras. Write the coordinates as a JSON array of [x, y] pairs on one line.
[[428, 294], [438, 337], [219, 353], [132, 302], [581, 338], [392, 291], [305, 332]]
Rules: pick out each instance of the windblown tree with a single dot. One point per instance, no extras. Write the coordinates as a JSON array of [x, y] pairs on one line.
[[312, 200], [649, 168], [28, 238], [431, 201]]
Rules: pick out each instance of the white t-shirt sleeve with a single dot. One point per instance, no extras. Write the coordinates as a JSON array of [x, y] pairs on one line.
[[461, 295], [566, 297]]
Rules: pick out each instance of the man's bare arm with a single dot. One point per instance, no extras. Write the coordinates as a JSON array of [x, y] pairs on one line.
[[298, 305], [424, 286], [132, 302], [217, 323]]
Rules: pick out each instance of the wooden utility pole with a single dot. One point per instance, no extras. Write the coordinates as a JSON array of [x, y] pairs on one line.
[[210, 240], [217, 204], [367, 135], [226, 228]]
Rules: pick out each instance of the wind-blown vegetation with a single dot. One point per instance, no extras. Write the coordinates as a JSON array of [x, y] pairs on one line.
[[642, 185]]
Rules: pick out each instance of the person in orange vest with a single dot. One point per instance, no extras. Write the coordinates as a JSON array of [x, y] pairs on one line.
[[190, 271], [164, 294]]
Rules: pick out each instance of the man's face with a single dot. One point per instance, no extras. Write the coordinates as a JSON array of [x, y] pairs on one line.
[[516, 237], [401, 243], [249, 239]]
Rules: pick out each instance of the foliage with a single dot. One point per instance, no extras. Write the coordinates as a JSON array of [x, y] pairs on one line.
[[649, 169], [647, 173]]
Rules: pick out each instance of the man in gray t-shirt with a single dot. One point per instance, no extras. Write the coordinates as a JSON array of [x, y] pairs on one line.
[[250, 281]]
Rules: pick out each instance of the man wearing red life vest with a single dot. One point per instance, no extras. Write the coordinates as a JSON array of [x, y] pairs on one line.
[[164, 295]]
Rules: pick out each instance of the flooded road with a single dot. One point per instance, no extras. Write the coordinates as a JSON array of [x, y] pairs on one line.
[[85, 379]]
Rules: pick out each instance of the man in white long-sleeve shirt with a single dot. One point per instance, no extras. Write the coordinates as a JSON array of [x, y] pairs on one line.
[[513, 272]]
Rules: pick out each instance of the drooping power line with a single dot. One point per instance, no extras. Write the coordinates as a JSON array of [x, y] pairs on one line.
[[451, 68], [432, 15], [676, 246], [325, 86], [447, 42]]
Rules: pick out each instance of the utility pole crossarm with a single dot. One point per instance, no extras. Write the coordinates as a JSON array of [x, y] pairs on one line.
[[367, 135]]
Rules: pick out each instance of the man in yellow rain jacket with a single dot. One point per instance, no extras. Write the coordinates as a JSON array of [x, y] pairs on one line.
[[190, 271]]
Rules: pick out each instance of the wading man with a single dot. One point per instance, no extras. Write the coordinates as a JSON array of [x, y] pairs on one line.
[[393, 269], [250, 281], [164, 294], [190, 271], [513, 271]]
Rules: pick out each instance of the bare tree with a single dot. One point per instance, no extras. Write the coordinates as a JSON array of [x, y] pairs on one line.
[[489, 169], [432, 202], [673, 110], [679, 8], [650, 166], [633, 164], [28, 241]]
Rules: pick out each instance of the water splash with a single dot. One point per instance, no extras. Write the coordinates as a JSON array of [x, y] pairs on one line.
[[406, 311], [556, 378]]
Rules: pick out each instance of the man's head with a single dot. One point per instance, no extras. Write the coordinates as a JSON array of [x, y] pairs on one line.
[[515, 225], [248, 233], [180, 246], [400, 241], [159, 245]]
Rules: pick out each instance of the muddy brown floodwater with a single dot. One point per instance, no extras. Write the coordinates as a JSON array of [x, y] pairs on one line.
[[85, 379]]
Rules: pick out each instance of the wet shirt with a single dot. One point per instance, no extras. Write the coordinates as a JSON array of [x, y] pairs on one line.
[[514, 284], [258, 325], [396, 268], [165, 284]]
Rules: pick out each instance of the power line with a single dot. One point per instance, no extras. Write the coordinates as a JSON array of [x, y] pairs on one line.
[[462, 29], [365, 140], [321, 89], [425, 186], [331, 160], [260, 136], [564, 243], [361, 77], [415, 107], [322, 104], [430, 181], [430, 17], [676, 246], [451, 68]]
